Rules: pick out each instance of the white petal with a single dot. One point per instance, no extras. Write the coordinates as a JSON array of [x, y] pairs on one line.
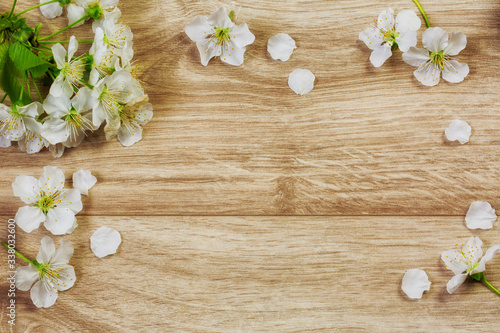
[[83, 100], [415, 282], [480, 216], [455, 282], [241, 35], [453, 261], [407, 20], [26, 188], [4, 142], [64, 253], [83, 181], [26, 276], [59, 220], [29, 218], [208, 50], [380, 55], [406, 40], [372, 37], [455, 72], [72, 47], [129, 137], [105, 241], [281, 46], [198, 29], [456, 44], [74, 14], [47, 250], [472, 250], [435, 39], [52, 180], [232, 54], [428, 75], [487, 257], [67, 278], [55, 131], [220, 19], [301, 81], [59, 53], [51, 10], [32, 110], [42, 295], [385, 21], [458, 130], [71, 199]]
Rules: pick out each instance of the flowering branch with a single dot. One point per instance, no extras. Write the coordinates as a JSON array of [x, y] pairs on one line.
[[423, 13], [66, 28]]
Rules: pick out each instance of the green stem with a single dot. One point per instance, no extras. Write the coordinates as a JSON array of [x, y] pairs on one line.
[[18, 254], [40, 5], [13, 6], [423, 13], [231, 15], [22, 87], [64, 41], [36, 88], [64, 29], [489, 285], [3, 98], [28, 84]]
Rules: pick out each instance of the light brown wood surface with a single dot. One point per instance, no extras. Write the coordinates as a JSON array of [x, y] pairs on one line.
[[247, 208]]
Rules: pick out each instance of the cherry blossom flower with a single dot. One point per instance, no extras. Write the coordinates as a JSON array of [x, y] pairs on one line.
[[51, 202], [218, 36], [94, 8], [18, 122], [131, 117], [49, 274], [105, 241], [480, 216], [415, 282], [83, 181], [69, 120], [281, 46], [437, 57], [468, 260], [390, 34], [301, 81], [71, 71], [111, 93], [458, 130]]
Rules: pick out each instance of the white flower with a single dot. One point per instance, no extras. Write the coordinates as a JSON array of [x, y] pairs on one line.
[[301, 81], [437, 57], [218, 36], [48, 274], [98, 8], [415, 282], [111, 93], [83, 181], [480, 216], [17, 122], [458, 130], [105, 241], [71, 71], [128, 125], [281, 46], [467, 261], [69, 119], [389, 33], [52, 203], [115, 38], [51, 10], [104, 62]]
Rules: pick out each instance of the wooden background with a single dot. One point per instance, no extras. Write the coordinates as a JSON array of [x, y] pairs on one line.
[[247, 208]]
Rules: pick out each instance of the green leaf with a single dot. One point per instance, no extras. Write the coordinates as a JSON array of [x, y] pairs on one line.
[[9, 82], [23, 58], [4, 53], [39, 71]]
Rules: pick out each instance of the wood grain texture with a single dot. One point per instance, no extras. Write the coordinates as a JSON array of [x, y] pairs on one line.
[[247, 208], [246, 274]]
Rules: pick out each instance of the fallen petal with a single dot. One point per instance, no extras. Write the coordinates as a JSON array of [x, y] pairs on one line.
[[415, 282], [281, 46], [480, 216], [83, 181], [105, 241], [301, 81], [458, 130]]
